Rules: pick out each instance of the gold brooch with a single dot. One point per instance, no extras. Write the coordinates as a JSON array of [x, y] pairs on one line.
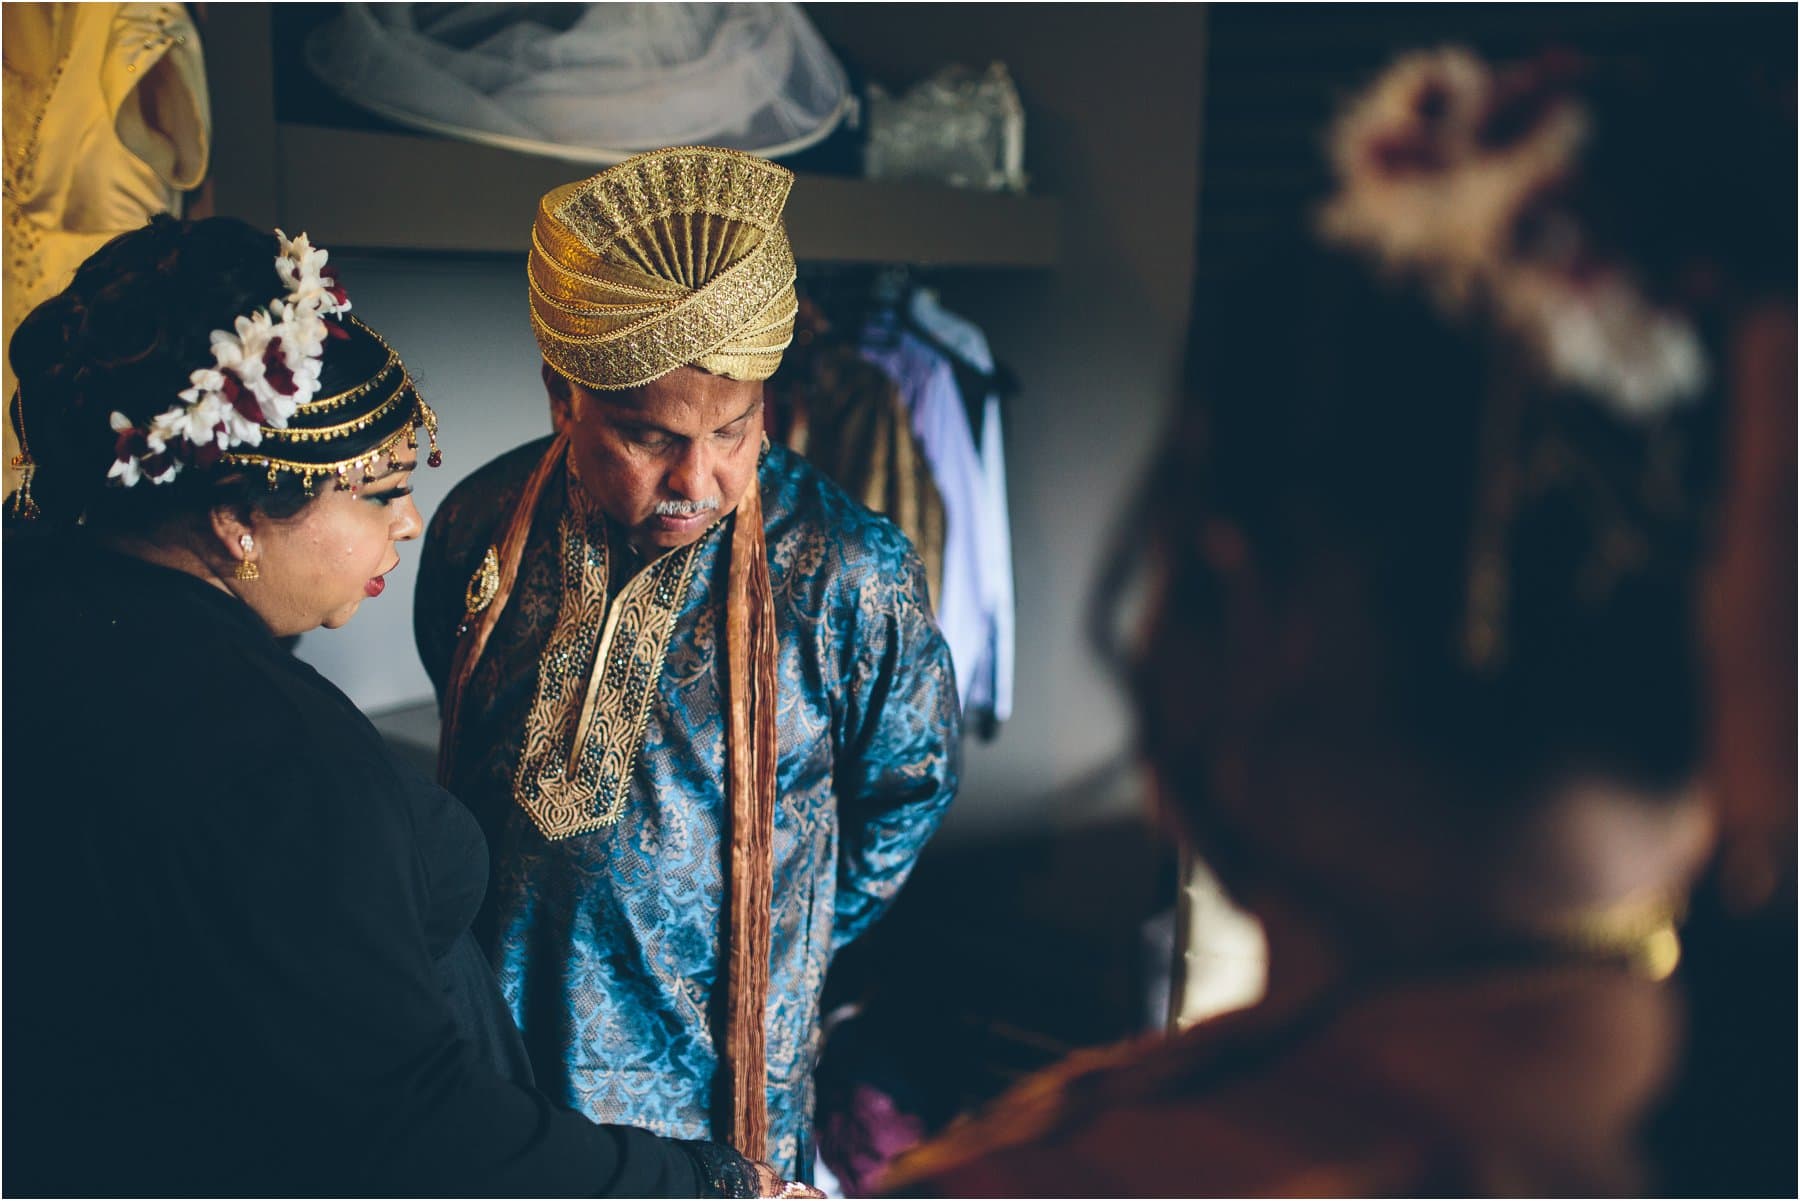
[[484, 584]]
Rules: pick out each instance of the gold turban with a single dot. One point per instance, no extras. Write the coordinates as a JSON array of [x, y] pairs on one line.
[[673, 258]]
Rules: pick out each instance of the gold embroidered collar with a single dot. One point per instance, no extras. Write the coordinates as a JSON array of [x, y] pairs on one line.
[[597, 676]]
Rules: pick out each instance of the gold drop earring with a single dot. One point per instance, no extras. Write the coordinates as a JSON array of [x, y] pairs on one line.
[[247, 568]]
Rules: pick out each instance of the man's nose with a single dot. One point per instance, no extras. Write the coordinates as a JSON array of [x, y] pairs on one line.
[[691, 476]]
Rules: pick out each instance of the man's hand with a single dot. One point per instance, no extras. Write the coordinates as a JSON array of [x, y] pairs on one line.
[[770, 1184]]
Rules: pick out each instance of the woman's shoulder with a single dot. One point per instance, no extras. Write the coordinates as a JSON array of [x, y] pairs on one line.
[[86, 621], [1147, 1119], [1415, 1089], [116, 668]]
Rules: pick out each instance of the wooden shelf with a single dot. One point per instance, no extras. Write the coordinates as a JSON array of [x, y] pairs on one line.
[[393, 191], [396, 191]]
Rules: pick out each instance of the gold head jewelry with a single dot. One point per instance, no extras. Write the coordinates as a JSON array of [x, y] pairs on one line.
[[669, 259], [376, 415]]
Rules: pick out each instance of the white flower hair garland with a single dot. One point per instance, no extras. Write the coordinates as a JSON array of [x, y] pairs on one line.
[[263, 371], [1442, 166]]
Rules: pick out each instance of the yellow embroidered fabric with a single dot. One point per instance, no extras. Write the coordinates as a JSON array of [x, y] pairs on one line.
[[107, 121], [670, 259], [586, 722]]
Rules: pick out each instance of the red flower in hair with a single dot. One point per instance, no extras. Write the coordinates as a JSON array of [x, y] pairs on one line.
[[241, 398], [276, 370], [130, 444], [208, 453], [333, 288], [156, 467], [1420, 146]]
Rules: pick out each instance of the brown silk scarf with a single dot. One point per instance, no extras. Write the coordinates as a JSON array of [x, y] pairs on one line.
[[479, 624], [750, 759], [750, 747]]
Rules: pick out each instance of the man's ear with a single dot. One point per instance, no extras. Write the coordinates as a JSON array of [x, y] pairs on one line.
[[559, 392]]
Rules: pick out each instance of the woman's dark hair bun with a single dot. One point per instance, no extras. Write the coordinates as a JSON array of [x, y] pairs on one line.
[[123, 337], [126, 334]]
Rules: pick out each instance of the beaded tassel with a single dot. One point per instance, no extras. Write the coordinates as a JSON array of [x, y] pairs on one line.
[[23, 505]]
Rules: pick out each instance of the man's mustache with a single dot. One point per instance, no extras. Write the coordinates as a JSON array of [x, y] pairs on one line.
[[685, 508]]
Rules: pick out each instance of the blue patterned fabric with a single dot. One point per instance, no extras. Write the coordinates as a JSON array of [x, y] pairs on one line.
[[608, 944]]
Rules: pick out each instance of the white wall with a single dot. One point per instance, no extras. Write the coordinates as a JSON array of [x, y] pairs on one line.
[[461, 326]]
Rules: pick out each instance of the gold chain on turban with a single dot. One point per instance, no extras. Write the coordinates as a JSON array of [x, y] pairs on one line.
[[669, 259]]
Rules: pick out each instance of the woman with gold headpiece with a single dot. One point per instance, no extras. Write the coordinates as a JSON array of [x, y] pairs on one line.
[[1424, 679], [240, 949]]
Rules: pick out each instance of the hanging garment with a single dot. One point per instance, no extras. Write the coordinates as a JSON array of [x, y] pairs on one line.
[[991, 691], [847, 418], [590, 83], [1516, 1080], [107, 122], [966, 612]]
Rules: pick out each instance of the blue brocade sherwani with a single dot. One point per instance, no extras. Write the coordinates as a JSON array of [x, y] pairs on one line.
[[608, 942]]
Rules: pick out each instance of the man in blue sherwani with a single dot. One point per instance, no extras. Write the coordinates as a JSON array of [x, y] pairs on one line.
[[693, 691]]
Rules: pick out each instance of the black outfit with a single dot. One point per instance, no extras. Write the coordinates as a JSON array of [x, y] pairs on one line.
[[237, 928]]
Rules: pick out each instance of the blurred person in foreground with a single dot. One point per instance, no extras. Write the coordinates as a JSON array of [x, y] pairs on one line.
[[1433, 623]]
